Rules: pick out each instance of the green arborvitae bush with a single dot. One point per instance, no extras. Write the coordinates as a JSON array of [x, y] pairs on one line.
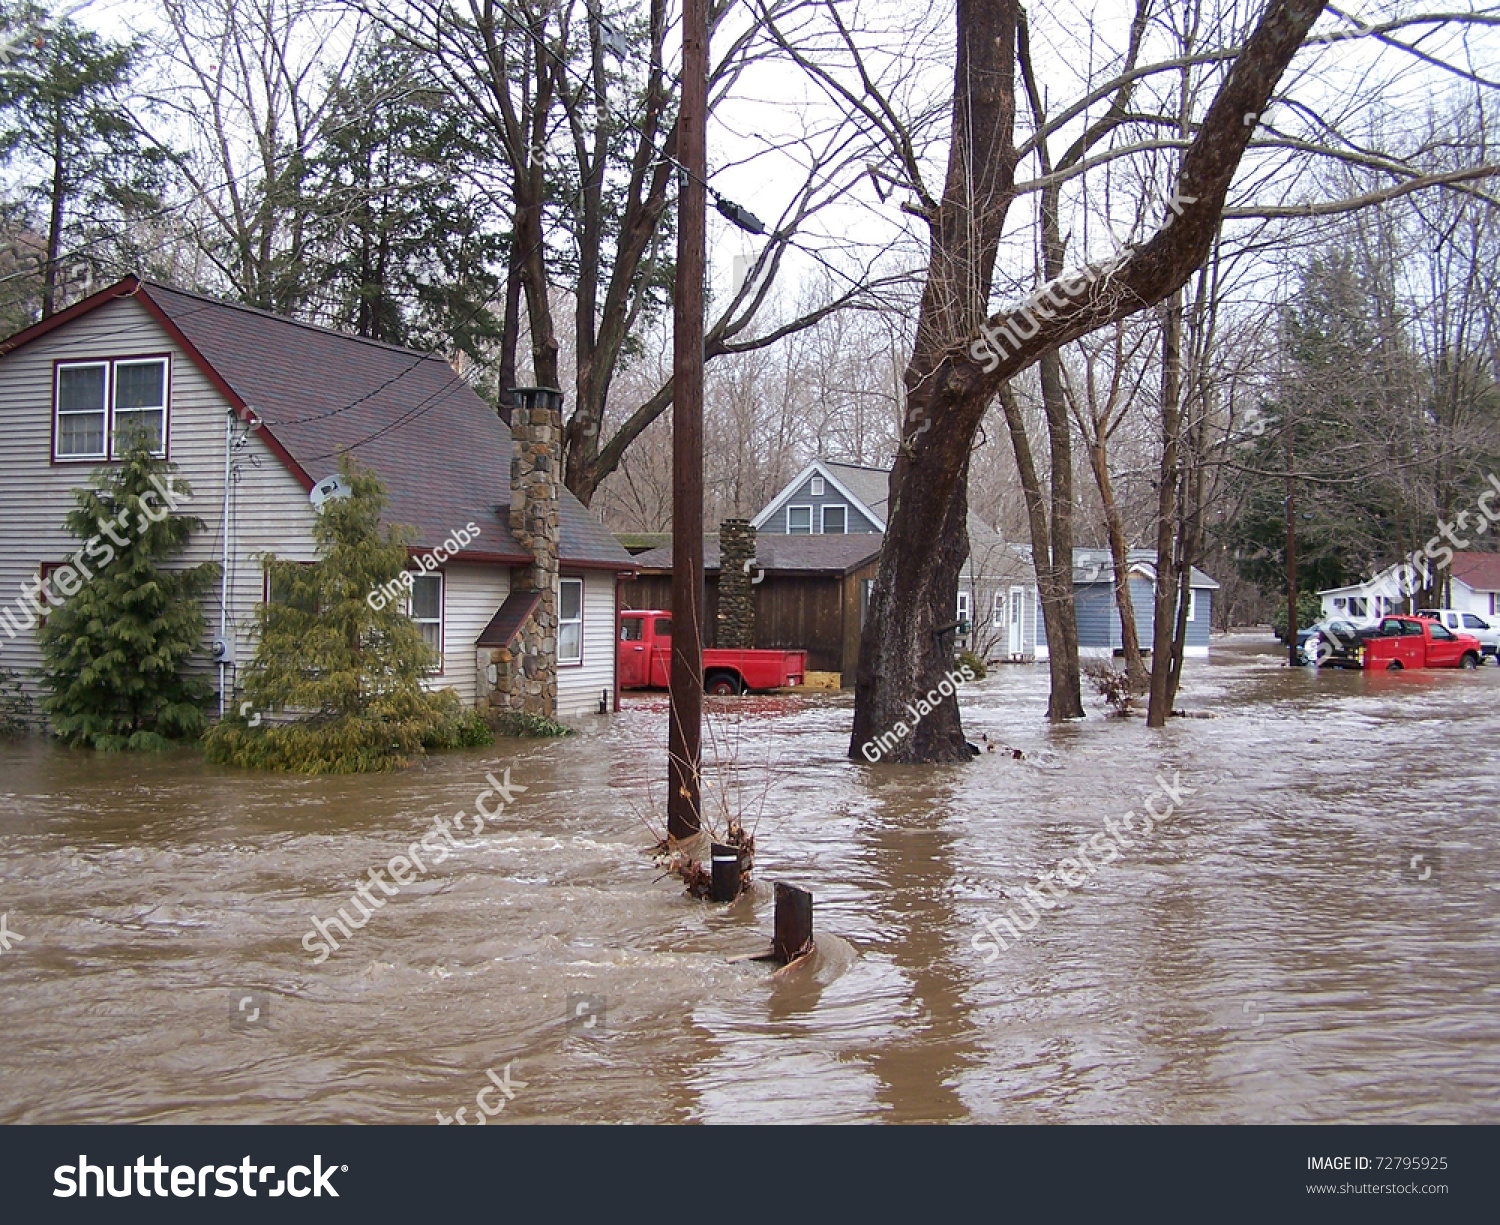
[[971, 660], [15, 706], [113, 654], [336, 683]]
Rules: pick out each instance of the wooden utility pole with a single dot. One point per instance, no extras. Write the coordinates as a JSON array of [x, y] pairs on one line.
[[1291, 548], [685, 733]]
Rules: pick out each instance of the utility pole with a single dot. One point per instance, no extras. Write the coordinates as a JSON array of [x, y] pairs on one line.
[[1291, 548], [685, 730]]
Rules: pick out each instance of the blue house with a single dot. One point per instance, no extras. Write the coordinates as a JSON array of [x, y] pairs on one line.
[[1099, 631]]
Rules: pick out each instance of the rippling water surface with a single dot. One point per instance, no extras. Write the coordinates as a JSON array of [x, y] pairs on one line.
[[1314, 935]]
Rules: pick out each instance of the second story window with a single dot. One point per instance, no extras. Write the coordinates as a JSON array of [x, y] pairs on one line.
[[799, 520], [835, 520], [101, 407]]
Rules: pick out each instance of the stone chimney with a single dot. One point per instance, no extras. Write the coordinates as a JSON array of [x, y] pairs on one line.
[[535, 494], [736, 629]]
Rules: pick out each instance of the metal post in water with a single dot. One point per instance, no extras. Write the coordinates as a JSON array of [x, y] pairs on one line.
[[726, 872], [792, 935]]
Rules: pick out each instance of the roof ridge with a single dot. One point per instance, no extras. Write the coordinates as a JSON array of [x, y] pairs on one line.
[[228, 304]]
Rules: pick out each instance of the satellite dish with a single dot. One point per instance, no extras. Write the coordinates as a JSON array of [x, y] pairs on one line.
[[327, 489]]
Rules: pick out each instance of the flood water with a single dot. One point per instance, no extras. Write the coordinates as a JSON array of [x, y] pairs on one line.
[[1314, 935]]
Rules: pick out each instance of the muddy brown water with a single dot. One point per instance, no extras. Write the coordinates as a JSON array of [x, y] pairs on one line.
[[1314, 935]]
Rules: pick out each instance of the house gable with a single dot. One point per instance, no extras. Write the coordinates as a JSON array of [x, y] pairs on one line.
[[774, 519]]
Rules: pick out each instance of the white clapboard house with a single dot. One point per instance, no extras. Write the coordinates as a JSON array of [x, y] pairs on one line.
[[523, 615]]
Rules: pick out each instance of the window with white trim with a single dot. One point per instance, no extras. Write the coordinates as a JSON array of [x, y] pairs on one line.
[[81, 414], [100, 407], [799, 520], [425, 606], [817, 487], [140, 404], [963, 607], [1192, 603], [997, 611], [570, 621], [835, 520]]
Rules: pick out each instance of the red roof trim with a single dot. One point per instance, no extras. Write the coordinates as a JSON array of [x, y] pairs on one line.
[[470, 555], [120, 289], [132, 287], [223, 388]]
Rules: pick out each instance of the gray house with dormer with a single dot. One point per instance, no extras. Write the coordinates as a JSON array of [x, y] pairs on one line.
[[997, 590]]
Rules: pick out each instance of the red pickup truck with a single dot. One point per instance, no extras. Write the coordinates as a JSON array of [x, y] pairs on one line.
[[1418, 642], [645, 659]]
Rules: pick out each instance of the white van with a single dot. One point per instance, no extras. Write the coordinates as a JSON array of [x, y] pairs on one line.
[[1468, 623]]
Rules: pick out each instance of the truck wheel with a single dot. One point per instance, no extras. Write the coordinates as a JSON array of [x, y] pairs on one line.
[[1393, 666], [724, 685], [1469, 660]]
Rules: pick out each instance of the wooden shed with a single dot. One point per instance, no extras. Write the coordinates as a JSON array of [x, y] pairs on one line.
[[810, 593]]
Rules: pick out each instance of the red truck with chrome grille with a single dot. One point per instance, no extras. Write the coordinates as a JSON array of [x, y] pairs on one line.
[[645, 659], [1417, 642]]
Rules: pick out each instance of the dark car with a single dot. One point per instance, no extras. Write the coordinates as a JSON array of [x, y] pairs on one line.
[[1333, 643]]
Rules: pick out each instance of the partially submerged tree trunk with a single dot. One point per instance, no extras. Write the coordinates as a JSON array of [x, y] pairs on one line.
[[953, 375], [1164, 613]]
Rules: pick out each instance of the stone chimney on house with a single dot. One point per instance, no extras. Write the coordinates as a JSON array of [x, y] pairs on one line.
[[736, 628], [535, 498]]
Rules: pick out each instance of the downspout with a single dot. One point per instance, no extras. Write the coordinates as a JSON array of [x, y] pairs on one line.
[[615, 645], [224, 572]]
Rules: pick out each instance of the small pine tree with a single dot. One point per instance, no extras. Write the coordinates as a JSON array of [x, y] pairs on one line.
[[113, 653], [349, 673], [15, 707]]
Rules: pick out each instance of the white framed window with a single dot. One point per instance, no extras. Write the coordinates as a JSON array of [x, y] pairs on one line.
[[1338, 602], [835, 520], [799, 520], [997, 611], [570, 621], [425, 606], [100, 407], [1192, 603], [81, 397], [140, 404], [817, 487], [963, 606], [1357, 606]]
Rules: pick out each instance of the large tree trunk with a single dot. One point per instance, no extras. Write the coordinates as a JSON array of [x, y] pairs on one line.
[[1164, 613], [1135, 665], [1066, 698], [57, 196], [952, 376], [903, 653]]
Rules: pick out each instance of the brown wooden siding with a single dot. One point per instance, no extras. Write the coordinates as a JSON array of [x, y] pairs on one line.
[[816, 613]]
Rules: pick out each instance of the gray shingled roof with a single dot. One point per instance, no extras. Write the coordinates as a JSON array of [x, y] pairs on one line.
[[872, 486], [778, 554], [442, 452], [1096, 566]]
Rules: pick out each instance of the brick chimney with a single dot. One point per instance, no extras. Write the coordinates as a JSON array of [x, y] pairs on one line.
[[535, 494]]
